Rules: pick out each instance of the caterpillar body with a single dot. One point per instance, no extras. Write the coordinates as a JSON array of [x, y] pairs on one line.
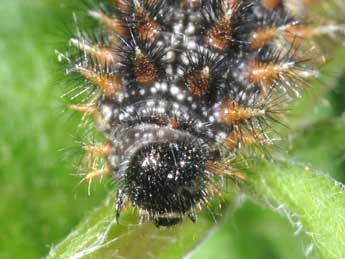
[[181, 85]]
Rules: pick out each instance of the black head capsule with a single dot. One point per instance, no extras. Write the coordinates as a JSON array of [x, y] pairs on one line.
[[167, 180]]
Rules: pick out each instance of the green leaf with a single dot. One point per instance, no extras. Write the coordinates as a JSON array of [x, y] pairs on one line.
[[312, 201], [100, 236], [321, 145]]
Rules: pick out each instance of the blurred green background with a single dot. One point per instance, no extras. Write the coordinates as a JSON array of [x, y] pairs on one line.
[[41, 201]]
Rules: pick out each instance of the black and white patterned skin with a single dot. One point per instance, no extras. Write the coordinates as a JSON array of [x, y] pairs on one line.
[[186, 84]]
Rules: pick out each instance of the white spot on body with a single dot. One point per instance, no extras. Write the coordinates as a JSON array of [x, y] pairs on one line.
[[174, 90], [153, 90], [142, 91], [164, 86], [180, 97], [107, 112], [190, 30]]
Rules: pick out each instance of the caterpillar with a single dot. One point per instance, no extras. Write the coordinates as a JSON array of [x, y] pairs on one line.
[[178, 86]]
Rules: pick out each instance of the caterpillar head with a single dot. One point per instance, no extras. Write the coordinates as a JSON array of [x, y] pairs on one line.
[[165, 174]]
